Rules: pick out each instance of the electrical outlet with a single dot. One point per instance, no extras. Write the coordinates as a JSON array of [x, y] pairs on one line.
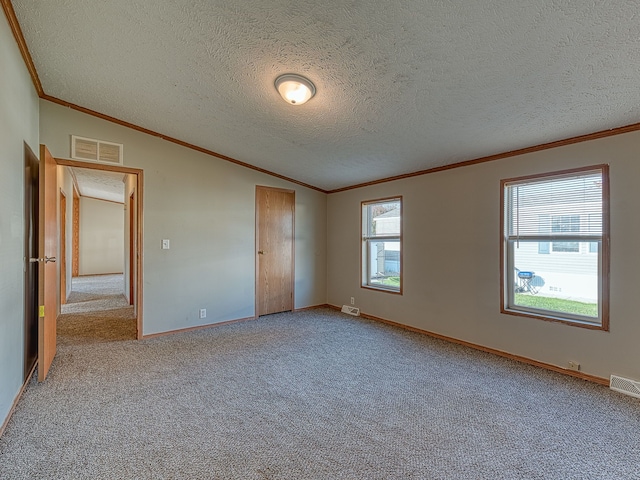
[[203, 313], [353, 301], [573, 365]]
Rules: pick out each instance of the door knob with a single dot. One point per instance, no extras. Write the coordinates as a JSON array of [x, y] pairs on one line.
[[260, 252], [45, 260]]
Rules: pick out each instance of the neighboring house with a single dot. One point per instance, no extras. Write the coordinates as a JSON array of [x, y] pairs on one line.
[[386, 256], [565, 269]]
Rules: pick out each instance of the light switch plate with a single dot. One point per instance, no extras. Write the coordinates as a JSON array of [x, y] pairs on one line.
[[165, 244]]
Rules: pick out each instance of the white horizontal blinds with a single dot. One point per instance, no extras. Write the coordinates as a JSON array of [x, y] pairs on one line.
[[555, 207], [383, 219]]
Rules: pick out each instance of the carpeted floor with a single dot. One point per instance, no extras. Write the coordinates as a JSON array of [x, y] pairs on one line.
[[96, 311], [312, 395]]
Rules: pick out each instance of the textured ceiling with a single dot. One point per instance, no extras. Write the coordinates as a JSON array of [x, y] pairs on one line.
[[100, 184], [402, 85]]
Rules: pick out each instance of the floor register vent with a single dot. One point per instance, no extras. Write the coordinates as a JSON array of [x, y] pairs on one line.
[[355, 311], [624, 385]]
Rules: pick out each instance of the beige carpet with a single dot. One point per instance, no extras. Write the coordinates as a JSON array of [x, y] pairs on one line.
[[311, 395], [96, 311]]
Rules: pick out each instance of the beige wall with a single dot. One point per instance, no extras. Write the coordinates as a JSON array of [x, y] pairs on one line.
[[206, 208], [101, 237], [452, 258], [18, 125]]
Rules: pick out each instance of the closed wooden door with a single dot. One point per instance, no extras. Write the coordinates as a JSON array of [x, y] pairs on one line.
[[275, 250], [47, 247]]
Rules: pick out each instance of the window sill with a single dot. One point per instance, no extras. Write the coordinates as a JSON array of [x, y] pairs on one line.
[[383, 289], [550, 318]]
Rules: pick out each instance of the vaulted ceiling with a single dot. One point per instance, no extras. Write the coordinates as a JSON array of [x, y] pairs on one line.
[[402, 86]]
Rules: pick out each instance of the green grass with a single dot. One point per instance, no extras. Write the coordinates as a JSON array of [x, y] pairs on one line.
[[391, 281], [557, 305]]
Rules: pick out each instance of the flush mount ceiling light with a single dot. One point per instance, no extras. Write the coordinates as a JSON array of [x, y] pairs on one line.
[[295, 89]]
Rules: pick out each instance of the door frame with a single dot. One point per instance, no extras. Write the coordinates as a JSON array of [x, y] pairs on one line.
[[257, 247], [63, 246], [132, 248], [139, 174], [31, 246]]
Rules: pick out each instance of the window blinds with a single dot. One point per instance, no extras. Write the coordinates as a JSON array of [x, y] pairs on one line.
[[555, 207]]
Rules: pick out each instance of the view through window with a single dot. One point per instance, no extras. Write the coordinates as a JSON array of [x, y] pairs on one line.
[[382, 244], [556, 246]]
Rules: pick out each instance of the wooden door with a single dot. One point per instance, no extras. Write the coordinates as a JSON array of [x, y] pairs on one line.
[[47, 247], [75, 235], [275, 250]]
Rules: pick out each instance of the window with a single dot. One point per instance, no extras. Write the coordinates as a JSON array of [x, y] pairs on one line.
[[555, 251], [382, 244], [563, 224]]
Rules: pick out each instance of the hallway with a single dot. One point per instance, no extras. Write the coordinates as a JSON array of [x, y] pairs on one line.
[[96, 311]]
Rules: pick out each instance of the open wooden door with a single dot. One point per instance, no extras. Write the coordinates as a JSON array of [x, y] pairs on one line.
[[275, 242], [47, 247]]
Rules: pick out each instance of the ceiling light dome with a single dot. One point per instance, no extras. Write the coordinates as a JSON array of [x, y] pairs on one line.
[[295, 89]]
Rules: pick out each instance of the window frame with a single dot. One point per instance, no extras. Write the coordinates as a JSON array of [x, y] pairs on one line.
[[365, 242], [507, 272]]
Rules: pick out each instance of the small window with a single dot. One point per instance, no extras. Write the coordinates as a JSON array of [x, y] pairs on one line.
[[382, 244], [565, 224], [556, 246]]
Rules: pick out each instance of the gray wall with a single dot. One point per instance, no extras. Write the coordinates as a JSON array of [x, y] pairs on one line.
[[206, 208], [452, 258], [18, 124]]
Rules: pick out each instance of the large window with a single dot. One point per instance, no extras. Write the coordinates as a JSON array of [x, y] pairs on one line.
[[382, 244], [556, 246]]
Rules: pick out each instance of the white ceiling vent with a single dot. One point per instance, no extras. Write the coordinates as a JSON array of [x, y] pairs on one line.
[[625, 385], [91, 150]]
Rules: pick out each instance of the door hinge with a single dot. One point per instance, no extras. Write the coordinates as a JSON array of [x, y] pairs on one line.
[[41, 311]]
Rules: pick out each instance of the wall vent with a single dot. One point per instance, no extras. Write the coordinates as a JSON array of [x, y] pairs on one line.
[[624, 385], [91, 150], [355, 311]]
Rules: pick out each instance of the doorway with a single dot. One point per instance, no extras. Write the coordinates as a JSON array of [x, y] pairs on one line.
[[96, 287], [30, 268], [275, 242]]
